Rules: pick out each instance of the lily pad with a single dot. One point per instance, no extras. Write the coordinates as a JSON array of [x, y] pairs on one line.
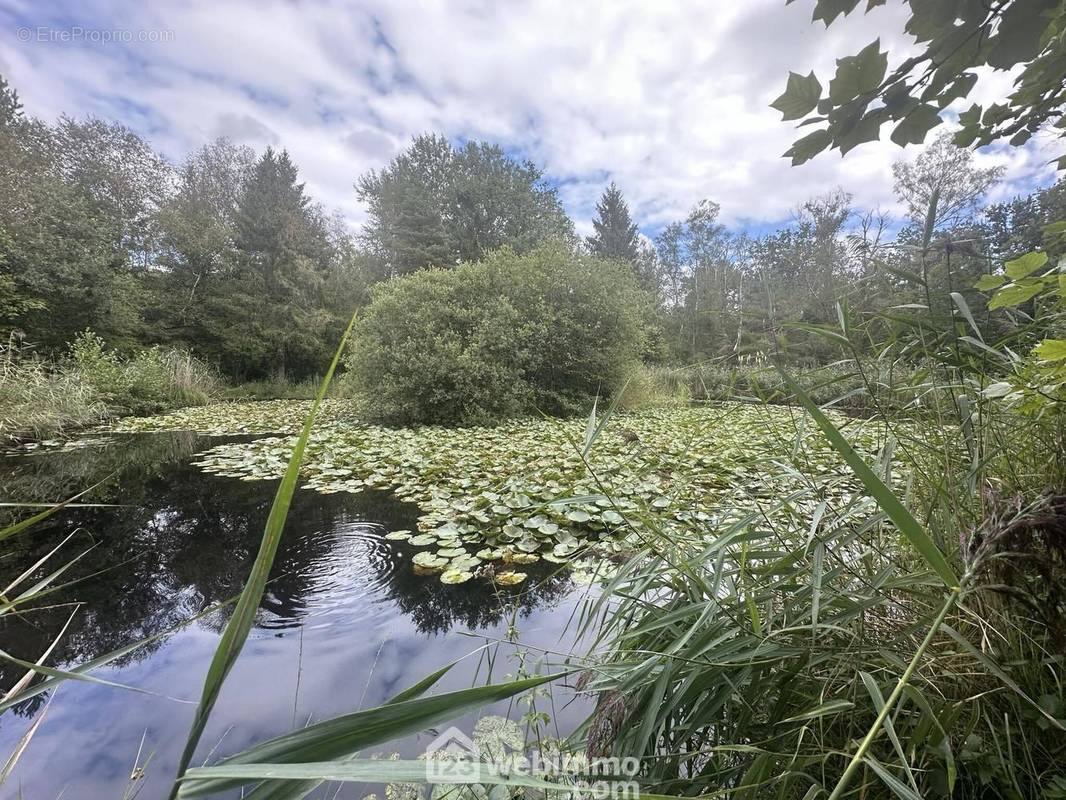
[[522, 486], [428, 560], [465, 562], [422, 539], [520, 558], [455, 576], [509, 578]]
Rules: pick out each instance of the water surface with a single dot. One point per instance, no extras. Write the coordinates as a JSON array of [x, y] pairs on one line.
[[345, 623]]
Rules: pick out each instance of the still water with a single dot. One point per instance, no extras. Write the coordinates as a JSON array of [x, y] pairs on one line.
[[345, 624]]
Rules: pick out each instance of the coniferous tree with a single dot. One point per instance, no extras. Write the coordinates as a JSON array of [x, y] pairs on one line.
[[10, 105], [269, 317], [616, 233]]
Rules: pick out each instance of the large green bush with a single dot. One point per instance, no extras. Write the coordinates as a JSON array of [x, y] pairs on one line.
[[510, 335]]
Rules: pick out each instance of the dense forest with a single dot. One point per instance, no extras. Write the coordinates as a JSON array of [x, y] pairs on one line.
[[227, 256]]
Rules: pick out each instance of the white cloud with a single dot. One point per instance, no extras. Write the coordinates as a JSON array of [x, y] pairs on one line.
[[670, 100]]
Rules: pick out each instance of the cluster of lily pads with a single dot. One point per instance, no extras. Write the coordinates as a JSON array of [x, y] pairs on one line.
[[496, 498]]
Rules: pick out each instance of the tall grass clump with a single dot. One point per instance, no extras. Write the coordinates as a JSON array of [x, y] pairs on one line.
[[850, 385], [37, 400], [42, 397], [903, 642], [277, 388], [652, 385], [815, 645]]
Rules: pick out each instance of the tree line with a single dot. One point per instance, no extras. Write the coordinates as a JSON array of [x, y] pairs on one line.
[[226, 254]]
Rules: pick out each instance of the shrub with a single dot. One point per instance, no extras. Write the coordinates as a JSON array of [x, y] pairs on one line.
[[510, 335], [152, 380]]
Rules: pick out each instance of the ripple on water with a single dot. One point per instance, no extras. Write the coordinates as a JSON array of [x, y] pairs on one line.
[[332, 580]]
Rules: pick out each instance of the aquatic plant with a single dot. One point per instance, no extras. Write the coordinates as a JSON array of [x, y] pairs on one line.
[[524, 491]]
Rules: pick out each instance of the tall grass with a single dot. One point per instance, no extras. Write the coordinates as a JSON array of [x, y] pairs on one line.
[[274, 389], [36, 400], [44, 397], [873, 646], [851, 385]]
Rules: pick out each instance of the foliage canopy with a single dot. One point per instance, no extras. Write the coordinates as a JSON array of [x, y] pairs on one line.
[[435, 205], [957, 38]]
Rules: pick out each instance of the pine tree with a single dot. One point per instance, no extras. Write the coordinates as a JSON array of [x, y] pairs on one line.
[[269, 317], [10, 105], [616, 234], [274, 228]]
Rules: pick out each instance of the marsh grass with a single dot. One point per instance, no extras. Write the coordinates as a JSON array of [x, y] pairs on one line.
[[41, 398], [277, 389], [37, 401], [873, 646]]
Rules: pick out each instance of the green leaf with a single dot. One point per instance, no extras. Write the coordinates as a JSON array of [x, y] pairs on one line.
[[297, 789], [1025, 266], [958, 89], [1015, 294], [829, 10], [913, 128], [865, 130], [593, 430], [886, 499], [1019, 35], [828, 707], [997, 390], [341, 736], [964, 309], [1051, 350], [53, 681], [800, 96], [859, 74], [989, 282], [19, 527], [239, 625], [81, 675], [897, 786], [879, 704], [803, 150], [992, 666]]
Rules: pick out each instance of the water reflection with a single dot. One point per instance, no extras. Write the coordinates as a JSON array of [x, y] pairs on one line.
[[180, 541]]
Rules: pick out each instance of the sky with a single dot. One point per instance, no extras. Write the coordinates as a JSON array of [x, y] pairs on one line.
[[668, 99]]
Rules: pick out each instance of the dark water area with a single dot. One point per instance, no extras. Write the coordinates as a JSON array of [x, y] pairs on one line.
[[345, 623]]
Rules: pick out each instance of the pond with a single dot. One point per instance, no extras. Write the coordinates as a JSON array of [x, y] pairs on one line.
[[345, 623]]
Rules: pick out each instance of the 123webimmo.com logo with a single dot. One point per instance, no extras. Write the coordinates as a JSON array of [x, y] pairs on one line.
[[455, 758]]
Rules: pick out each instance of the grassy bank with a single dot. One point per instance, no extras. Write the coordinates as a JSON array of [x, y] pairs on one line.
[[848, 385], [91, 384]]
